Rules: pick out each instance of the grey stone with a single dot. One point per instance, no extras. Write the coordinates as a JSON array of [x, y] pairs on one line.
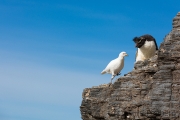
[[151, 91]]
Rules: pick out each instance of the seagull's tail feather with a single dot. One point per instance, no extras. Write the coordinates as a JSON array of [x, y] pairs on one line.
[[103, 72]]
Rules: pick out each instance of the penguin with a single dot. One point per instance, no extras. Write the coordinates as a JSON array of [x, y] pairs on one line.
[[146, 47]]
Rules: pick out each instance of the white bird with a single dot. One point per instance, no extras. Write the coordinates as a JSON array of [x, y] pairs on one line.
[[115, 66]]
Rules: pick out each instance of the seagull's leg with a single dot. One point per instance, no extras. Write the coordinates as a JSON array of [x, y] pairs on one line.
[[112, 78]]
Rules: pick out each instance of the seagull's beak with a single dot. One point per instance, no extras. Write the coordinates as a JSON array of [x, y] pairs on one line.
[[126, 54]]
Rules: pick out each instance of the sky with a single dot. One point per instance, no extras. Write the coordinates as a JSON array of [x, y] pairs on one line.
[[51, 50]]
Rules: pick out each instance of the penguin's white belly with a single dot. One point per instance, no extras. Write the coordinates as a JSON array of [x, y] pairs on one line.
[[146, 51]]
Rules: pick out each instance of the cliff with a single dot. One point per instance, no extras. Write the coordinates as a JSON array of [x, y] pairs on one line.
[[151, 91]]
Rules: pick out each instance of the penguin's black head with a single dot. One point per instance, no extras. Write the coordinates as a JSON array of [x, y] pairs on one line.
[[139, 41]]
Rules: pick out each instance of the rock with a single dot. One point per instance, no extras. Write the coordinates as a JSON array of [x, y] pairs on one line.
[[150, 91]]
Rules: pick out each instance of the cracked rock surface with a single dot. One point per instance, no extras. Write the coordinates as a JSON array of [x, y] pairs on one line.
[[151, 91]]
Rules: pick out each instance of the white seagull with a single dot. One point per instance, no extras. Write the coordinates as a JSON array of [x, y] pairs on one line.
[[115, 66]]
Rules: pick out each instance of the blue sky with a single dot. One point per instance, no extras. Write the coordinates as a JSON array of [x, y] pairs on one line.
[[50, 50]]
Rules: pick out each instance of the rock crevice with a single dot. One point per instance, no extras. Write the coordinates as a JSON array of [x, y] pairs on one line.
[[150, 91]]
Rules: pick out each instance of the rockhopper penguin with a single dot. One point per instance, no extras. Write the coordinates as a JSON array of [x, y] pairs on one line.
[[147, 47]]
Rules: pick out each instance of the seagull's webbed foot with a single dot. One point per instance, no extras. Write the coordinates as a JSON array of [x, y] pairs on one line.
[[118, 74], [110, 84]]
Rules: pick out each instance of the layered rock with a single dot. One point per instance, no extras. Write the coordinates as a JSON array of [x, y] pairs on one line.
[[150, 91]]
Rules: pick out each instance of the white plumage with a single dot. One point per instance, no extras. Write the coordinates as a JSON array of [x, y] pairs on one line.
[[115, 66], [146, 51]]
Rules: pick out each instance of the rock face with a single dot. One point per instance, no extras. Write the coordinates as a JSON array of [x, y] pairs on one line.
[[150, 92]]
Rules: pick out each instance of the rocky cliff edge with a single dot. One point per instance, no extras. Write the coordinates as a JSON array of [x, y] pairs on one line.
[[151, 91]]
